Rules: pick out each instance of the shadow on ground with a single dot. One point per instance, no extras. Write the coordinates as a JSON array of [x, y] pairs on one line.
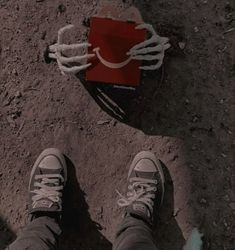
[[157, 106], [167, 233], [80, 232]]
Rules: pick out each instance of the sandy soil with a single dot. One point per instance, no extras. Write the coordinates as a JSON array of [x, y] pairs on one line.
[[184, 113]]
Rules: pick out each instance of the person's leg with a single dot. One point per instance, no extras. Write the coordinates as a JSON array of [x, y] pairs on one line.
[[47, 180], [144, 197], [41, 234], [134, 234]]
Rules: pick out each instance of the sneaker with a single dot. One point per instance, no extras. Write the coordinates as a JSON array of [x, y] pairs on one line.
[[145, 187], [47, 180]]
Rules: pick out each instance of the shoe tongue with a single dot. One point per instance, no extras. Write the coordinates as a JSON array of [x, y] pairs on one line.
[[43, 203], [138, 209], [48, 171], [145, 175]]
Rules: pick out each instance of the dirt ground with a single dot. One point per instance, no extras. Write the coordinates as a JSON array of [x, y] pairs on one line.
[[184, 113]]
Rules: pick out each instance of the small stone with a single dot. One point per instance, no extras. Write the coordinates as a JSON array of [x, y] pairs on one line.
[[14, 72], [1, 174], [195, 119], [191, 166], [187, 101], [99, 212], [226, 198], [86, 22], [6, 102], [176, 212], [36, 82], [45, 55], [18, 94], [11, 121], [224, 155], [221, 101], [17, 101], [232, 205], [203, 201], [225, 223], [229, 132], [174, 157], [114, 123], [104, 122], [228, 7], [61, 8], [214, 224], [43, 35], [28, 154], [196, 29], [182, 45], [15, 114]]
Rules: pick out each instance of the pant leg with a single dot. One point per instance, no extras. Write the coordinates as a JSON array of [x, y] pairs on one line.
[[41, 234], [134, 234]]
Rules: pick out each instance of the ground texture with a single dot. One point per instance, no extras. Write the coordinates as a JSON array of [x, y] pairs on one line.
[[184, 113]]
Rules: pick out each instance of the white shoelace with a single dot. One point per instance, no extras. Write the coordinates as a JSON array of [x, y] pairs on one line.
[[48, 188], [140, 189]]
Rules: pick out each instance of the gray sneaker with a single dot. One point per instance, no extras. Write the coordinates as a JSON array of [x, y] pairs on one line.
[[47, 180], [145, 187]]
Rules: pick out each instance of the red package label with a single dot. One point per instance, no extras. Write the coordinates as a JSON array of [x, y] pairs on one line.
[[114, 39]]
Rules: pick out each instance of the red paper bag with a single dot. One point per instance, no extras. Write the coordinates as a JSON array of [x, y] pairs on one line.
[[115, 39]]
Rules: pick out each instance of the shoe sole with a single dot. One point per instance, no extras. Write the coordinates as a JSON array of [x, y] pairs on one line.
[[50, 151], [149, 155]]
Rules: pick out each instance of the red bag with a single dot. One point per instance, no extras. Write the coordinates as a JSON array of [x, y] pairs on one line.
[[115, 39]]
